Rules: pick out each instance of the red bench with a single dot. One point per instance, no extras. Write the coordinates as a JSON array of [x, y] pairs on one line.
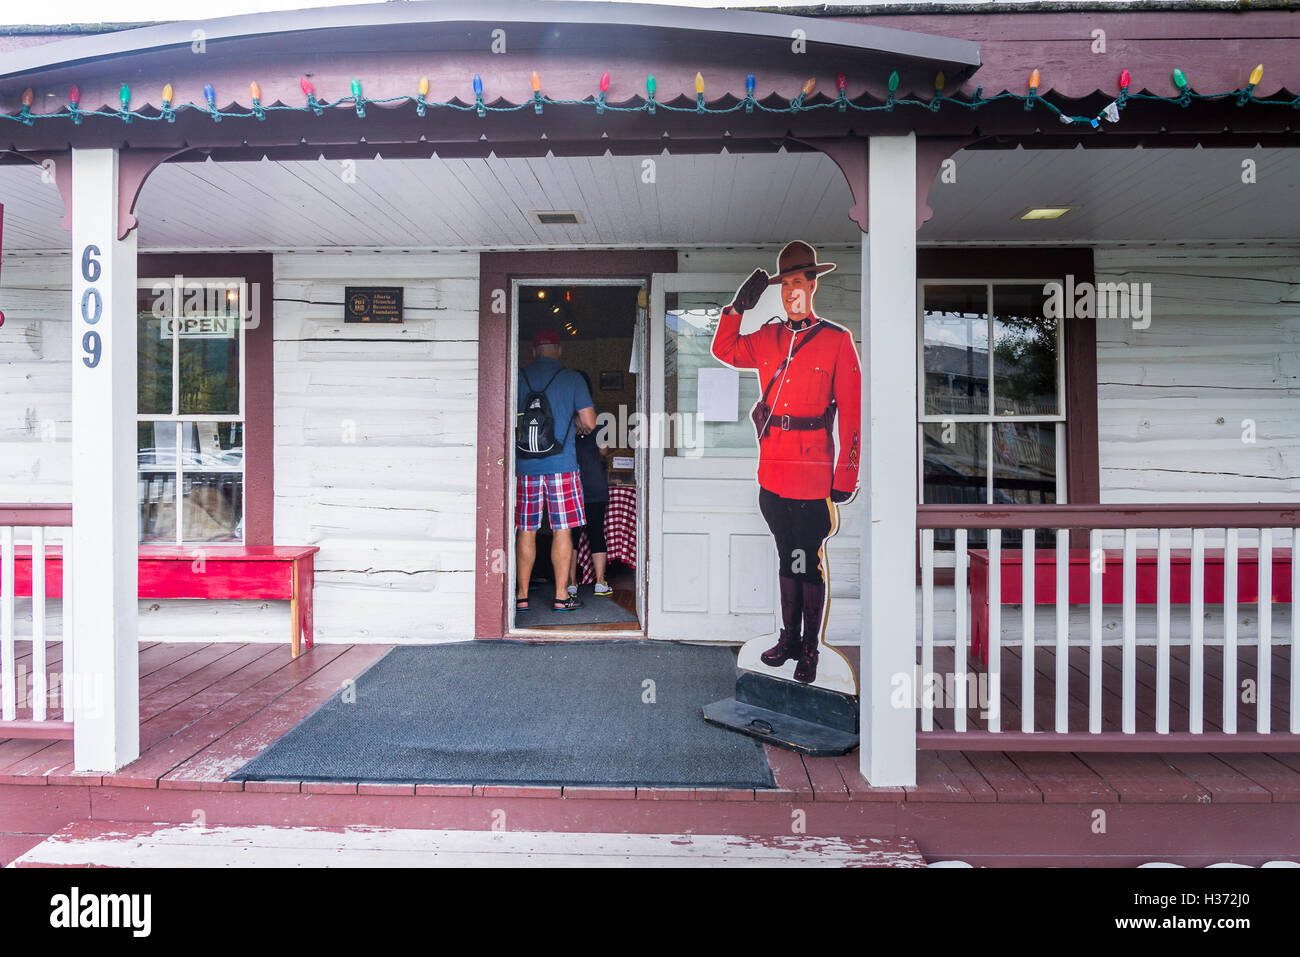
[[1112, 580], [218, 571]]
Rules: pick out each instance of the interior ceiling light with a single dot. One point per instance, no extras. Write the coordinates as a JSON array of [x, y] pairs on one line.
[[1045, 212], [557, 217]]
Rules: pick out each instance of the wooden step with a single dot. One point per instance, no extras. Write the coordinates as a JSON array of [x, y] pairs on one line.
[[114, 844]]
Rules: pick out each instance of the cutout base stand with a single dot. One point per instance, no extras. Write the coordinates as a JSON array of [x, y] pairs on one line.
[[789, 715]]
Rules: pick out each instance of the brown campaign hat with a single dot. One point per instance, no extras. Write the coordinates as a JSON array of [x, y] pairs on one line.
[[798, 257]]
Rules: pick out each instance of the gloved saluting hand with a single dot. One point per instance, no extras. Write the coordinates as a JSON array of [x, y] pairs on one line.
[[838, 497], [750, 291]]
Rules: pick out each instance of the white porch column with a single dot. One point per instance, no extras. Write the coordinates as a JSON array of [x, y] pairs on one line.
[[888, 573], [106, 699]]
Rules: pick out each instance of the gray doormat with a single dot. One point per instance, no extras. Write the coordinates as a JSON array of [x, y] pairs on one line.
[[595, 611], [511, 712]]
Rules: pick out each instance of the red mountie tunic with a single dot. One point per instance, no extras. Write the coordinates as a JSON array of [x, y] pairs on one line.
[[796, 463]]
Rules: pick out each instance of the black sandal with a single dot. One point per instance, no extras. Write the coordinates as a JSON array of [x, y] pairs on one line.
[[521, 605], [568, 604]]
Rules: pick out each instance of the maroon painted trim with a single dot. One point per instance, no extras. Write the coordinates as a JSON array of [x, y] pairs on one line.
[[1108, 742], [1232, 515], [55, 730], [36, 516], [259, 373], [1082, 467], [497, 271]]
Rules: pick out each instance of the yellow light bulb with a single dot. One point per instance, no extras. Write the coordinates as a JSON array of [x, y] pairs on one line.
[[809, 86], [537, 82], [423, 88], [699, 83], [255, 90], [167, 93], [1256, 74]]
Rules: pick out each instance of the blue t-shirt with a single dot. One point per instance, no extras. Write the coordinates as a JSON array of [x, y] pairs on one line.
[[566, 395]]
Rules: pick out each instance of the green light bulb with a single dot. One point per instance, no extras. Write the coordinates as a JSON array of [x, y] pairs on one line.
[[893, 82], [650, 84], [1180, 80], [125, 95]]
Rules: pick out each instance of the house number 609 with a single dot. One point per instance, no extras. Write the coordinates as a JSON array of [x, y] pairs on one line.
[[92, 306]]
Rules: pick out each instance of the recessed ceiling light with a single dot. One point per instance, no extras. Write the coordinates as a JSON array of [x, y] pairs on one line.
[[1044, 212], [557, 217]]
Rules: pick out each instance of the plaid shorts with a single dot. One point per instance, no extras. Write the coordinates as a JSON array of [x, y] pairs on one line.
[[563, 492]]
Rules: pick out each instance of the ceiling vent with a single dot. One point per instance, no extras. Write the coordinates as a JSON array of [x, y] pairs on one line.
[[557, 217]]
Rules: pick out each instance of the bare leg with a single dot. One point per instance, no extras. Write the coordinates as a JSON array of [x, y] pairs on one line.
[[561, 555], [573, 567], [525, 555], [599, 559]]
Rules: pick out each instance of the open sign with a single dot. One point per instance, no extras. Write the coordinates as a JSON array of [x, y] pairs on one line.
[[199, 327]]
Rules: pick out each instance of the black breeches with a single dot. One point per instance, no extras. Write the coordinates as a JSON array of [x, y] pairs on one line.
[[800, 526], [596, 526]]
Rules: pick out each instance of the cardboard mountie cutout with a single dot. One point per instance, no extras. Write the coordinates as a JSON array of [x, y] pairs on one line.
[[807, 423]]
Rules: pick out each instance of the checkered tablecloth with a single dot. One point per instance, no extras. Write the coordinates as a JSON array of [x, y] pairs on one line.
[[620, 533]]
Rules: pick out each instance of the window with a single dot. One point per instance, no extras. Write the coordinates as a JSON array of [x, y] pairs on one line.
[[992, 402], [190, 435]]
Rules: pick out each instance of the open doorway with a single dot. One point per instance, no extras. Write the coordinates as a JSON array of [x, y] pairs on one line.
[[601, 327]]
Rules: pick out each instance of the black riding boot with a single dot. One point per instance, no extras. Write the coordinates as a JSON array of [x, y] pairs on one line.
[[788, 646], [814, 599]]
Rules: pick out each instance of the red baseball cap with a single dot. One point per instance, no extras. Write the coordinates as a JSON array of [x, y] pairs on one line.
[[546, 337]]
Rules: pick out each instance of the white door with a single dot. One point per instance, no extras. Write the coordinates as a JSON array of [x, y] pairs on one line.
[[712, 562]]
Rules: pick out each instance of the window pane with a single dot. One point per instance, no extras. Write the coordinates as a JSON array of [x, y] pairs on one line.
[[156, 484], [214, 506], [153, 354], [208, 326], [212, 458], [1025, 352], [956, 337], [1024, 463], [688, 347], [954, 470]]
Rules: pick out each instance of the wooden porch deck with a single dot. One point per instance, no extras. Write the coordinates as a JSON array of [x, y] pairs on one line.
[[206, 709]]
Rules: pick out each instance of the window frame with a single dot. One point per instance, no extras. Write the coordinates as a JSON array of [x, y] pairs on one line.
[[991, 417], [257, 382], [180, 419]]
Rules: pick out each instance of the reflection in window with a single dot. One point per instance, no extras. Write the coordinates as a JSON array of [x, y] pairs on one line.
[[689, 324], [1025, 352], [956, 350]]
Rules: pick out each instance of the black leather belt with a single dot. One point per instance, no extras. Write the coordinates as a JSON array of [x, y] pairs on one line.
[[795, 423]]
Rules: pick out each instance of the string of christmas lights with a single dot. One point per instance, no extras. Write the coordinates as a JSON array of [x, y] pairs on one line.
[[169, 109]]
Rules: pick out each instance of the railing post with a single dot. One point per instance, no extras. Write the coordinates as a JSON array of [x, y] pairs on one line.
[[106, 732], [888, 643]]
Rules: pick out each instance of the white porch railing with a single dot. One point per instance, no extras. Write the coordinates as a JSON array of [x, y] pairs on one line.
[[30, 566], [1092, 685]]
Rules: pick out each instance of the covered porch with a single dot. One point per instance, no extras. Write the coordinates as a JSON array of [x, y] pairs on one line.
[[428, 204]]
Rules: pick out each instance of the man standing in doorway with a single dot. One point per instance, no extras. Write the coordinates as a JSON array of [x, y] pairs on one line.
[[552, 400], [810, 378]]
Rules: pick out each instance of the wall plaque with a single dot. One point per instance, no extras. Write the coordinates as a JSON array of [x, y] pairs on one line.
[[372, 304]]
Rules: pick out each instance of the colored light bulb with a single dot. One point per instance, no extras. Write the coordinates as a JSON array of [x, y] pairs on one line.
[[423, 87], [699, 84], [356, 89], [1034, 79], [124, 95], [938, 82], [604, 82], [809, 85], [749, 83], [478, 85], [254, 90], [29, 97], [650, 84], [208, 93], [307, 89], [1256, 74], [74, 95], [841, 81], [893, 82], [1124, 79], [537, 82], [1180, 79]]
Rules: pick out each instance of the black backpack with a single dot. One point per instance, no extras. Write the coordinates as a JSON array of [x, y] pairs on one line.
[[535, 425]]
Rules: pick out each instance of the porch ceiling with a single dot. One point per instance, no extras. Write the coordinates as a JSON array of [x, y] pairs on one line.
[[1120, 195]]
